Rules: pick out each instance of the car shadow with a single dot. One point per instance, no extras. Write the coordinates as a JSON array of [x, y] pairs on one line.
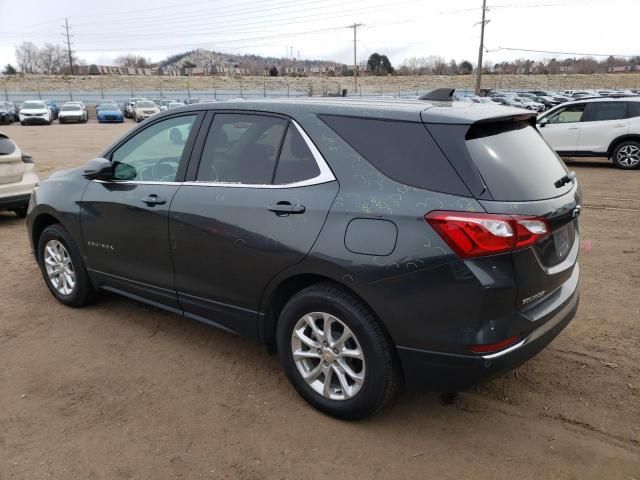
[[10, 218], [588, 163]]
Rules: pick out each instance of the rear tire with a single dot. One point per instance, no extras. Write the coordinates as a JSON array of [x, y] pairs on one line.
[[627, 155], [364, 373], [62, 267]]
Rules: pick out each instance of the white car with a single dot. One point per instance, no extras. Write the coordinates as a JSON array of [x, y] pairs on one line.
[[34, 111], [72, 112], [144, 109], [17, 177], [130, 105], [598, 127]]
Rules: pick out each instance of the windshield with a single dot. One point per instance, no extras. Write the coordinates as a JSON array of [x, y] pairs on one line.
[[108, 106], [70, 108], [145, 104], [26, 105]]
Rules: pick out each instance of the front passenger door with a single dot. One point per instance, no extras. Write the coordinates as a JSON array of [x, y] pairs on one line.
[[561, 128], [125, 220]]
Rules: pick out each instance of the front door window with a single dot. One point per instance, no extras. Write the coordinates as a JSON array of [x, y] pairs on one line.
[[154, 154]]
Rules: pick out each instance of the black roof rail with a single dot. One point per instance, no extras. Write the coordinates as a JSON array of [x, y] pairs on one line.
[[439, 95]]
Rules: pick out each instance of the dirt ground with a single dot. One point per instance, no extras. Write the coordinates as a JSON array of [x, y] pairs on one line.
[[121, 390]]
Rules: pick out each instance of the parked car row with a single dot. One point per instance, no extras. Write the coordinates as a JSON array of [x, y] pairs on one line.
[[542, 100]]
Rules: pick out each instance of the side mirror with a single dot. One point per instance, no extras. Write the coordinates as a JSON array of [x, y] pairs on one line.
[[543, 122], [98, 169]]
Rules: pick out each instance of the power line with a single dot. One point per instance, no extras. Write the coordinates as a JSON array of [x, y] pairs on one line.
[[582, 54]]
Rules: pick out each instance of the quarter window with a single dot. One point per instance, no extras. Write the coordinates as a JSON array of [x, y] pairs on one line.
[[568, 114], [403, 151], [633, 109], [242, 148], [296, 162], [601, 111], [155, 153]]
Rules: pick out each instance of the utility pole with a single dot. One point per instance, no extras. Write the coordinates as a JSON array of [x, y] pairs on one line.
[[66, 27], [355, 56], [482, 24]]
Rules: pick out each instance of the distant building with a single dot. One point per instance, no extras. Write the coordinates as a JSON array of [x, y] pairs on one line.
[[625, 69]]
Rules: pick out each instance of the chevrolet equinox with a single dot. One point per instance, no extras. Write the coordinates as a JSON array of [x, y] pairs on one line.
[[369, 243]]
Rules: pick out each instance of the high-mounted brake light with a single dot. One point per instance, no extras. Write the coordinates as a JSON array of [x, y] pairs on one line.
[[478, 234]]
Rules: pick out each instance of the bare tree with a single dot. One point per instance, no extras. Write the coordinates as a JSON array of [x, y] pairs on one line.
[[51, 59], [27, 57], [131, 60]]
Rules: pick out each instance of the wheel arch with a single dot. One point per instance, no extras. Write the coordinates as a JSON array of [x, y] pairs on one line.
[[276, 297], [619, 140], [38, 224]]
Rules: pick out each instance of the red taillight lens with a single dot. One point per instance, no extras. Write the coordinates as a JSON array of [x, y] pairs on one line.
[[493, 347], [478, 234]]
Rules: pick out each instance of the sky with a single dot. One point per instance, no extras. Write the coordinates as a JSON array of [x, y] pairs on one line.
[[317, 29]]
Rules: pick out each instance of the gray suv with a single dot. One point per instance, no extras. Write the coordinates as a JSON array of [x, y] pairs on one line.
[[368, 243]]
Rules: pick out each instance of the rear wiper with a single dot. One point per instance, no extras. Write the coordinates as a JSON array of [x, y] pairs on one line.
[[569, 177]]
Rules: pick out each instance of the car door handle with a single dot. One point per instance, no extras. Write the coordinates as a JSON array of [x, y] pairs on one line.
[[154, 199], [619, 125], [574, 128], [285, 208]]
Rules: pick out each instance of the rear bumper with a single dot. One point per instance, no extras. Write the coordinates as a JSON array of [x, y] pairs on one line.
[[445, 372]]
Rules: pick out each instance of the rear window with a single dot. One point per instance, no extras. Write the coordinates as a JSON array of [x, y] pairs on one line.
[[515, 162], [403, 151]]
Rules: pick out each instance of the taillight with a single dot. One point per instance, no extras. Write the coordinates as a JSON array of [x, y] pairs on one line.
[[26, 158], [493, 347], [477, 234]]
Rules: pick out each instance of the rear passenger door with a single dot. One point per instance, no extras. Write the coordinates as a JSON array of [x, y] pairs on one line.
[[253, 205], [603, 122]]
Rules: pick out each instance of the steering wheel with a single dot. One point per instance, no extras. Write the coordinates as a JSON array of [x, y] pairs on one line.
[[165, 169]]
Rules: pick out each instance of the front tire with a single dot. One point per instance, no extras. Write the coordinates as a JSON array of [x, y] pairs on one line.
[[336, 354], [627, 155], [62, 267]]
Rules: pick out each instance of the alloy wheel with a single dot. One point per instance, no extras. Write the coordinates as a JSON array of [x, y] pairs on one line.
[[629, 155], [59, 267], [328, 356]]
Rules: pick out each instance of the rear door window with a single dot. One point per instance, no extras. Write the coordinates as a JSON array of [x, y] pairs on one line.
[[403, 151], [601, 111], [515, 162], [242, 148]]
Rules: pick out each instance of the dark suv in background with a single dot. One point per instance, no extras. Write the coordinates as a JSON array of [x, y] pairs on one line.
[[366, 241]]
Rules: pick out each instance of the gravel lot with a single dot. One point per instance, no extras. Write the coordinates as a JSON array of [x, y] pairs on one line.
[[121, 390]]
